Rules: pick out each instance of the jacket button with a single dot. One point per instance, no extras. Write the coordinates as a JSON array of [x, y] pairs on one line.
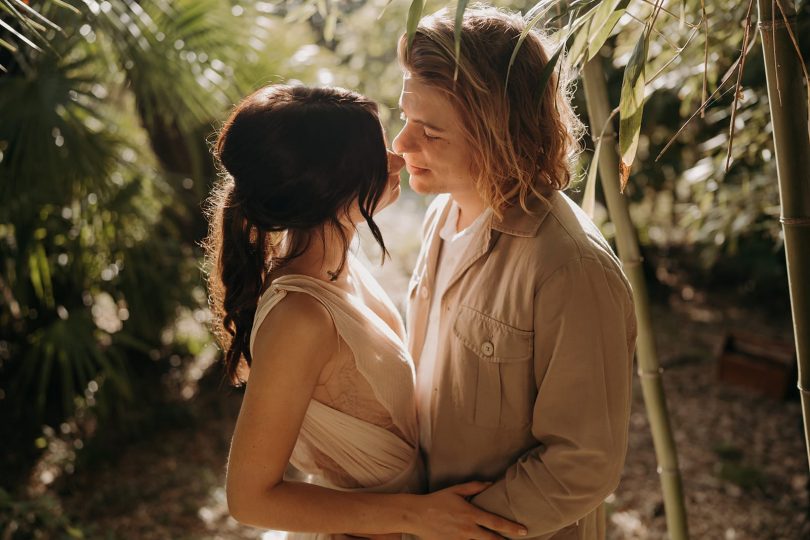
[[487, 348], [424, 293]]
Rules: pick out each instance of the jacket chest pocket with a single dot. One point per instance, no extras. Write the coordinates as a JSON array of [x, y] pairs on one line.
[[494, 370]]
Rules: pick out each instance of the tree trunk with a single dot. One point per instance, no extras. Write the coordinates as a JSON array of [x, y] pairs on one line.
[[649, 369], [787, 96]]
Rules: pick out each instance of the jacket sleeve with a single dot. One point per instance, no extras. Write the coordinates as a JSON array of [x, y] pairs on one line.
[[585, 331]]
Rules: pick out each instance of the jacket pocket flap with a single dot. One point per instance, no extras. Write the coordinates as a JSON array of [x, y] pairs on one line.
[[490, 339]]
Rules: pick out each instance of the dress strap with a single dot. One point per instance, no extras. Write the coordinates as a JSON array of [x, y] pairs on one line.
[[276, 293]]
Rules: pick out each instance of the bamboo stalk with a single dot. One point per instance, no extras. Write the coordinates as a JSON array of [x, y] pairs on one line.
[[649, 369], [787, 96]]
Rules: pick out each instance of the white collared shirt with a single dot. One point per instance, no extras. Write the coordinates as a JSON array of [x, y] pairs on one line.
[[454, 244]]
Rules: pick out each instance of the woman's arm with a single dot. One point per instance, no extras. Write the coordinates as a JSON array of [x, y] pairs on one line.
[[292, 346]]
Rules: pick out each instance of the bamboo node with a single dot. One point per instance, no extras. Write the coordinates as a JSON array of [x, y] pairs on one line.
[[651, 374], [777, 23], [804, 391], [606, 135], [668, 470], [797, 221]]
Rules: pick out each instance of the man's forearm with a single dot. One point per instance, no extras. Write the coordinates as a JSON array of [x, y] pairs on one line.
[[529, 494]]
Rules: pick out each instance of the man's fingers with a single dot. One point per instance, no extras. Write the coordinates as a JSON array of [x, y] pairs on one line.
[[470, 488], [499, 524]]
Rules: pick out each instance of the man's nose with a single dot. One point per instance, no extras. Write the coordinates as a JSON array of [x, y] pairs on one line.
[[401, 142]]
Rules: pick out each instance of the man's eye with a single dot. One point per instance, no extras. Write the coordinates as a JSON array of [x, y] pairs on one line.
[[428, 136]]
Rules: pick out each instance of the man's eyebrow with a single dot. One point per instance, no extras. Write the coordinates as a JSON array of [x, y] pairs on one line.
[[422, 122]]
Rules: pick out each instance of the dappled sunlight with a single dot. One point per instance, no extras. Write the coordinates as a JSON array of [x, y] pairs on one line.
[[401, 228], [217, 521], [115, 416], [628, 525]]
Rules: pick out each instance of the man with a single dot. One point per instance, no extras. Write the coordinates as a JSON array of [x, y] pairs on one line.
[[520, 318]]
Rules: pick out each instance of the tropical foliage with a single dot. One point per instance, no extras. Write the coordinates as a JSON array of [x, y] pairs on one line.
[[106, 110]]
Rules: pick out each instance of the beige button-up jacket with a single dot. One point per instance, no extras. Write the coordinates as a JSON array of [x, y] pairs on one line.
[[534, 366]]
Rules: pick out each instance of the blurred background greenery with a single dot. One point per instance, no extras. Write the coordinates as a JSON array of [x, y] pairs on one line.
[[105, 126]]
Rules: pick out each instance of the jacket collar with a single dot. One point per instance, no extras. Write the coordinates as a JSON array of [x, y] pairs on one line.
[[517, 222]]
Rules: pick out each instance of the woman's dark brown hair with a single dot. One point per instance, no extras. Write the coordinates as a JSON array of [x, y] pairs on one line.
[[294, 160]]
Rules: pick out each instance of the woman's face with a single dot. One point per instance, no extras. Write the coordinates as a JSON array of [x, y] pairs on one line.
[[395, 164], [391, 192]]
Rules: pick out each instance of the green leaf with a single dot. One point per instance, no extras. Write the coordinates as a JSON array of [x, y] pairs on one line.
[[414, 14], [6, 45], [603, 23], [600, 24], [45, 272], [575, 27], [631, 106], [602, 13], [548, 69], [532, 23], [589, 198], [322, 8], [67, 6], [580, 43], [19, 35], [35, 275], [330, 25], [74, 532], [30, 25], [460, 7]]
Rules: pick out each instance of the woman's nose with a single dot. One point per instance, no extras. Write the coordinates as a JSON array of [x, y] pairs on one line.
[[395, 162]]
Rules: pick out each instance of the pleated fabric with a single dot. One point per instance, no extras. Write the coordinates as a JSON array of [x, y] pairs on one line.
[[376, 458]]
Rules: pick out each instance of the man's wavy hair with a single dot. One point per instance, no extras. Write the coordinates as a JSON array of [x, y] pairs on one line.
[[524, 143]]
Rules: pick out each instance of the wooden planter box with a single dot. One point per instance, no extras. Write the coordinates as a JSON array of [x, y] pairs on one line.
[[763, 365]]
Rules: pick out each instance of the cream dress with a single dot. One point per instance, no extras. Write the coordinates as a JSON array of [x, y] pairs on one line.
[[366, 437]]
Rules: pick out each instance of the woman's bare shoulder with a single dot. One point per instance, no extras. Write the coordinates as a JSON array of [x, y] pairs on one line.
[[299, 326]]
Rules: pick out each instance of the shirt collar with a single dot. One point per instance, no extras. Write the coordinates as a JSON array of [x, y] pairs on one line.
[[517, 222], [448, 231]]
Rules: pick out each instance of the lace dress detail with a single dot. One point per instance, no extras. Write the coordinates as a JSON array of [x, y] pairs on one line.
[[365, 437]]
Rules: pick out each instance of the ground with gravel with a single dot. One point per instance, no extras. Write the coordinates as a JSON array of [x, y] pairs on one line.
[[742, 457]]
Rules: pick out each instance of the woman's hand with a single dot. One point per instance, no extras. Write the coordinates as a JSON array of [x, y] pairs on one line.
[[448, 515], [389, 536]]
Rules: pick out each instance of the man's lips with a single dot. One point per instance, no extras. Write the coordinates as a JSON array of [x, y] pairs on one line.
[[416, 171]]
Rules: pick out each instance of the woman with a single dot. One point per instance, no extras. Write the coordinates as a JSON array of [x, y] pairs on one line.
[[329, 381]]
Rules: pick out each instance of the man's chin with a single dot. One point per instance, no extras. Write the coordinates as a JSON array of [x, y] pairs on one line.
[[423, 188]]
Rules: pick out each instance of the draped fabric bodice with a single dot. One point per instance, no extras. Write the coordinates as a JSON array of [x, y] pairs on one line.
[[369, 432]]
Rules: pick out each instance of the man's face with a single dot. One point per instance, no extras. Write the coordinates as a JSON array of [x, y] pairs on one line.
[[437, 154]]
